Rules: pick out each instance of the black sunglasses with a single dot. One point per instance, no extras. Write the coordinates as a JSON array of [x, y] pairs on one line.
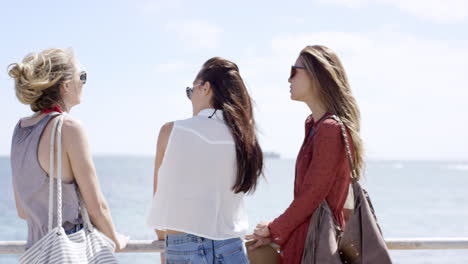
[[83, 77], [293, 70], [189, 91]]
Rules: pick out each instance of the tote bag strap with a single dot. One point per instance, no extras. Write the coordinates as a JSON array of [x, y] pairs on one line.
[[52, 170], [349, 202], [56, 137], [347, 147]]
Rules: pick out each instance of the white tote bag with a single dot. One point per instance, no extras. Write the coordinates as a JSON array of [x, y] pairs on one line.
[[85, 246]]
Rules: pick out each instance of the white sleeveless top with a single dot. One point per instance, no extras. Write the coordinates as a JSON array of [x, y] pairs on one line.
[[195, 181]]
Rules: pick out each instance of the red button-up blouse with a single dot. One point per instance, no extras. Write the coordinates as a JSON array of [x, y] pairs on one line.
[[322, 172]]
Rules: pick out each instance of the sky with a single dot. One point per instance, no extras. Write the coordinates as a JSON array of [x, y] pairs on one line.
[[406, 60]]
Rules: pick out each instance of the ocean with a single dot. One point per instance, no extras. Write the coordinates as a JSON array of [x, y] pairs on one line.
[[411, 199]]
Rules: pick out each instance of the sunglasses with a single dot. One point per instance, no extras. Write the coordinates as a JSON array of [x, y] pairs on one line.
[[83, 77], [294, 69], [189, 91]]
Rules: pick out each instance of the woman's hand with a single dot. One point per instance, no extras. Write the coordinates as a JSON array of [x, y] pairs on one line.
[[262, 229], [121, 243], [259, 241], [261, 235]]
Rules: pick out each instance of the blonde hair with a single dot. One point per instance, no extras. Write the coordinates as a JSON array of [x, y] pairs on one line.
[[326, 70], [38, 77]]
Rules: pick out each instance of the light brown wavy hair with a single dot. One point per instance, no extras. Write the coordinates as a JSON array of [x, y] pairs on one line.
[[328, 74], [39, 76]]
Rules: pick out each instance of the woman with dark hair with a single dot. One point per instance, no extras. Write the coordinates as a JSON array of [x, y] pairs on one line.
[[204, 167], [322, 167]]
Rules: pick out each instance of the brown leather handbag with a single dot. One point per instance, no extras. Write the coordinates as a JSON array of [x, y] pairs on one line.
[[360, 243], [266, 254]]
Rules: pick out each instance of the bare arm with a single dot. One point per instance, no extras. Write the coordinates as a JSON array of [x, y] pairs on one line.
[[163, 139], [76, 145]]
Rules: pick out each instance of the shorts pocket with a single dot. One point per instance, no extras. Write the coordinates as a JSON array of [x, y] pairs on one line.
[[178, 261], [178, 257], [232, 254]]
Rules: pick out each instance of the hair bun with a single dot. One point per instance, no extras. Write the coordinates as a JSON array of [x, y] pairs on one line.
[[26, 91], [38, 74], [15, 70]]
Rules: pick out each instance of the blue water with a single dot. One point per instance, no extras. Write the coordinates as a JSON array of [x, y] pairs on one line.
[[412, 199]]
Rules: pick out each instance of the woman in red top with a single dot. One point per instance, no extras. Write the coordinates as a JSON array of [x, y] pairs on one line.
[[322, 168]]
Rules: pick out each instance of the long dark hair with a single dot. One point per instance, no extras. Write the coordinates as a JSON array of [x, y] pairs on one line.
[[231, 96]]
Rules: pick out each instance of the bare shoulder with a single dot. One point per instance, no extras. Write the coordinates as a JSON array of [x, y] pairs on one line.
[[165, 131], [163, 140], [72, 127]]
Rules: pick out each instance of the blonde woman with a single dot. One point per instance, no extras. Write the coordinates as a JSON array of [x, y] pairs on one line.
[[51, 81], [317, 79]]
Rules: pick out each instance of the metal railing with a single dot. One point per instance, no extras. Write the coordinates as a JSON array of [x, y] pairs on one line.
[[150, 246]]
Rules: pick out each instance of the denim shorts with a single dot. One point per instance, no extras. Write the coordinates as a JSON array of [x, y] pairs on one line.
[[191, 249]]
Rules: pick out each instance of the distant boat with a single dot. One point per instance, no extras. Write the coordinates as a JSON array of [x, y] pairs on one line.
[[271, 155]]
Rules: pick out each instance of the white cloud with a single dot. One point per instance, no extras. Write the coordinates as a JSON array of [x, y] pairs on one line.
[[196, 34], [437, 10], [392, 59], [344, 41], [411, 92]]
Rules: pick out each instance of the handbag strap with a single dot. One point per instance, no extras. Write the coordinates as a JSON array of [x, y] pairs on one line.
[[56, 137], [354, 177], [52, 170]]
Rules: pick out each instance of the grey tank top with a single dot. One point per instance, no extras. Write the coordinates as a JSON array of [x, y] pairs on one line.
[[32, 184]]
